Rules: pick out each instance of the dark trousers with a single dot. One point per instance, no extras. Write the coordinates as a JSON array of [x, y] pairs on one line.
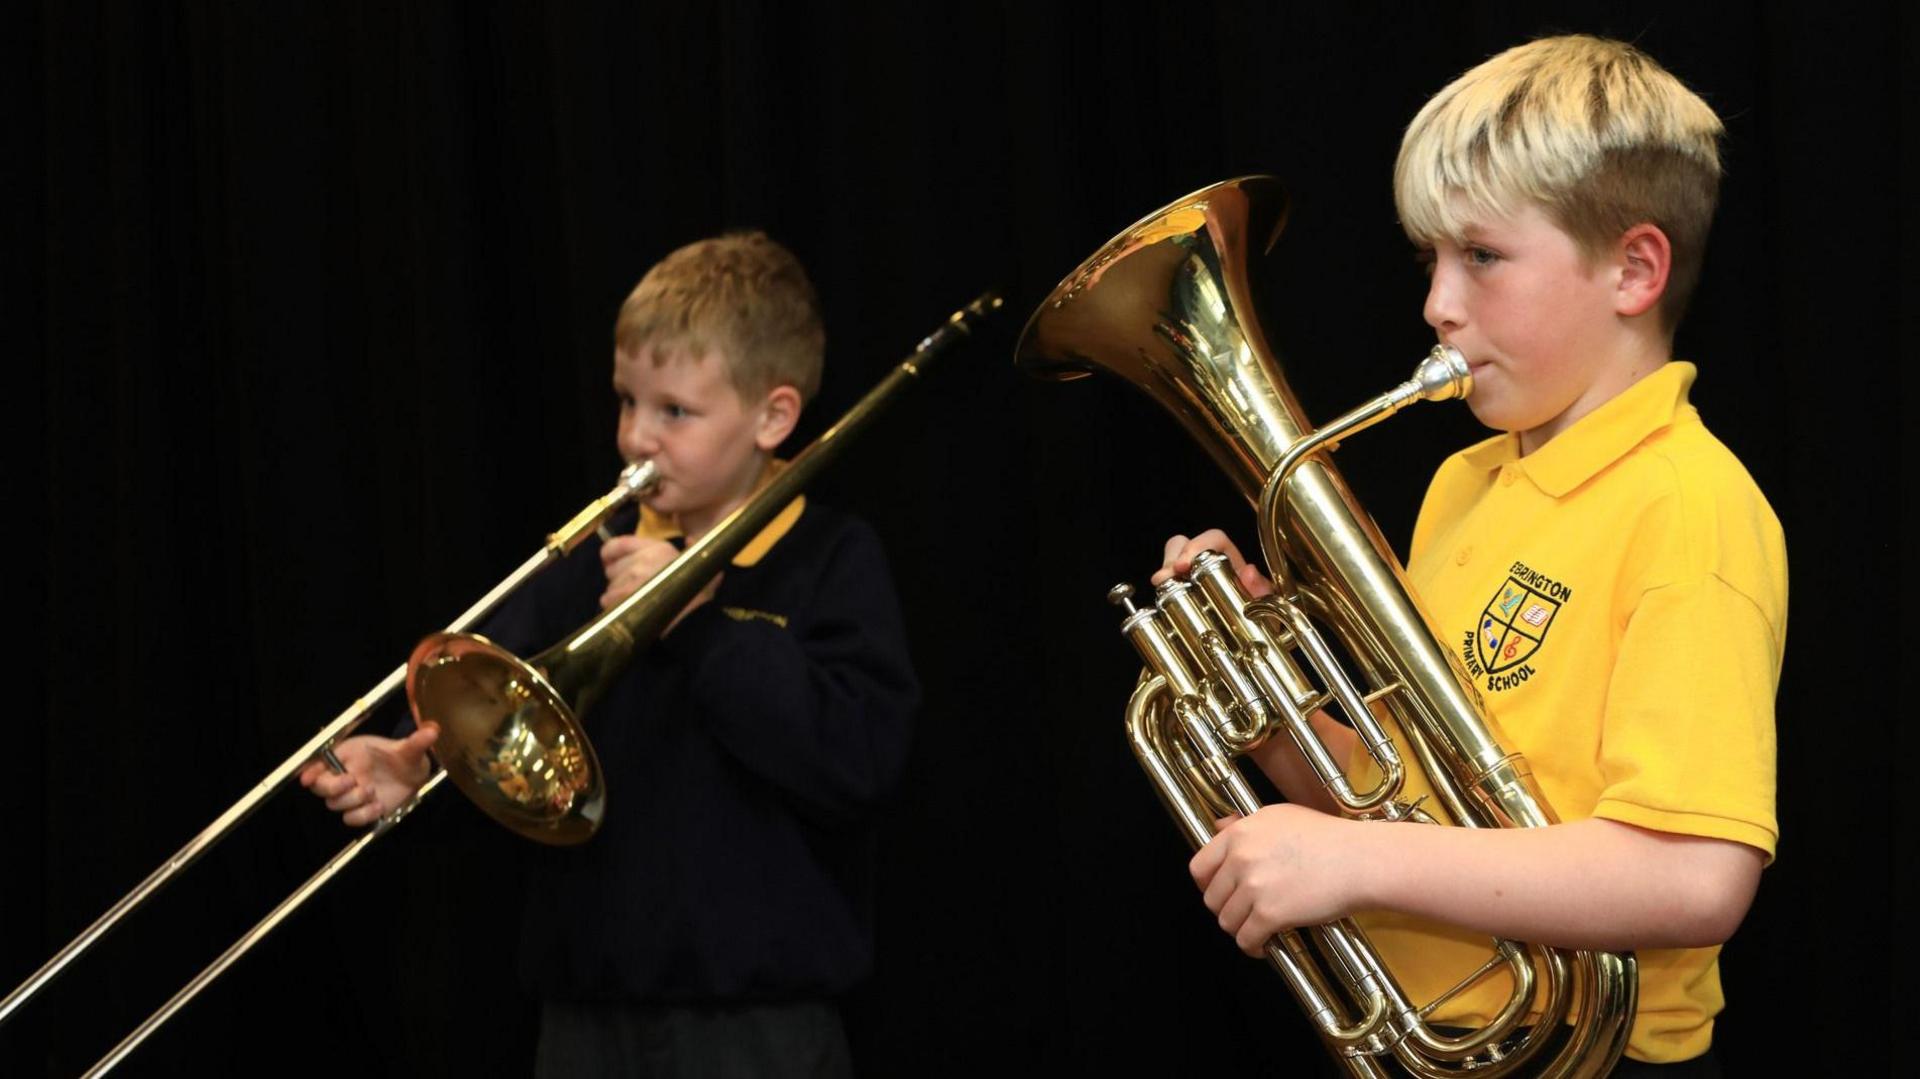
[[775, 1041]]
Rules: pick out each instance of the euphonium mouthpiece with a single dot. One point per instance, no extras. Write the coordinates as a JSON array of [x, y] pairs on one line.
[[1443, 375]]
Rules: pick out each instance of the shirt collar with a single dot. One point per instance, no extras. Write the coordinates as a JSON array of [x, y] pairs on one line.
[[1597, 439], [661, 527]]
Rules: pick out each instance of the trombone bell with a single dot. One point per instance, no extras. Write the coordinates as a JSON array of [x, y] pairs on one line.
[[508, 739]]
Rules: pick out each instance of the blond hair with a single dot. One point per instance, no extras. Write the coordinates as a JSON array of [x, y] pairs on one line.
[[1592, 131], [741, 295]]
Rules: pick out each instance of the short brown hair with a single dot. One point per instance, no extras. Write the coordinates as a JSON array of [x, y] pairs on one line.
[[740, 293], [1593, 131]]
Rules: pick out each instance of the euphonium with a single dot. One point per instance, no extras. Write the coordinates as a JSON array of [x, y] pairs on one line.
[[1166, 306]]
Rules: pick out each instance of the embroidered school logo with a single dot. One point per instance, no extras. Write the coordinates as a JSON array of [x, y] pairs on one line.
[[748, 614], [1513, 626]]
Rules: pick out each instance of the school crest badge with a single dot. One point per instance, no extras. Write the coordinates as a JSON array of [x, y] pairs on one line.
[[1513, 625]]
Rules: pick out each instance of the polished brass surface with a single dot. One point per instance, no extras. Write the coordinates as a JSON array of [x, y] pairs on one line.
[[507, 739], [1167, 306], [488, 701], [635, 480]]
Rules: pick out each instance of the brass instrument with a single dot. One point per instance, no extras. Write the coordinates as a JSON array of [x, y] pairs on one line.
[[510, 734], [1166, 305], [635, 481], [485, 698]]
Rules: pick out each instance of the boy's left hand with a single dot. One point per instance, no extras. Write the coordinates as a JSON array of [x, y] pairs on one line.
[[629, 562], [1284, 867], [632, 561]]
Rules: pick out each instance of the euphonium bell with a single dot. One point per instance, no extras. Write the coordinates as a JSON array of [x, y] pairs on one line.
[[1166, 306]]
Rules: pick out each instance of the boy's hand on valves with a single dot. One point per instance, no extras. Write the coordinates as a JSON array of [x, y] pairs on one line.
[[1177, 559]]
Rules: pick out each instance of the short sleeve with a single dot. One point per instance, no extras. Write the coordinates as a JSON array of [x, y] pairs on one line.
[[1688, 739]]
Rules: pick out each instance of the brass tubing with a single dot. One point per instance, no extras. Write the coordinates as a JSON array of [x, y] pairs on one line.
[[635, 480], [259, 932]]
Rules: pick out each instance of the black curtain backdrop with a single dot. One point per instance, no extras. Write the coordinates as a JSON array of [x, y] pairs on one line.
[[312, 346]]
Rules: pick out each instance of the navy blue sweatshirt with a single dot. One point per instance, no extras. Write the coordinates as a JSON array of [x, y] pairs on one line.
[[744, 755]]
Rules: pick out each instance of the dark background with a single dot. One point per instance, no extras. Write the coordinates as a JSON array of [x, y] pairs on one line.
[[312, 346]]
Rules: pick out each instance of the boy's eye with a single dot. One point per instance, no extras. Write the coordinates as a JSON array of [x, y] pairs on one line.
[[1480, 256], [673, 411], [1424, 257]]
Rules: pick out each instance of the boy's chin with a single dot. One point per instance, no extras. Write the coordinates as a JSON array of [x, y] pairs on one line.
[[1489, 415], [1497, 414]]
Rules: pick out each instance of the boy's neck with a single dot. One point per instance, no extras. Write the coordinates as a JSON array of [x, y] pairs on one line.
[[696, 524], [1611, 380]]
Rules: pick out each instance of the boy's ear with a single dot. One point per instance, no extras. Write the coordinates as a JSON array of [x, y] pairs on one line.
[[779, 411], [1646, 257]]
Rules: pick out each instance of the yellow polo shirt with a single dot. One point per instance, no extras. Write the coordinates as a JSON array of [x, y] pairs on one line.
[[1619, 598], [661, 527]]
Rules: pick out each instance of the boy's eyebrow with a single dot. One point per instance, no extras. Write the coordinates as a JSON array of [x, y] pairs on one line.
[[1478, 235]]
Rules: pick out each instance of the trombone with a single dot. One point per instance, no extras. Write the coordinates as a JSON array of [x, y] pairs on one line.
[[510, 734], [635, 481]]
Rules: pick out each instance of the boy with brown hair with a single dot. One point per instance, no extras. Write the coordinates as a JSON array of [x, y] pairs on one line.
[[726, 900], [1608, 573]]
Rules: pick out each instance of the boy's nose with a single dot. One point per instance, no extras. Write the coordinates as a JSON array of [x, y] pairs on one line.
[[637, 440], [1442, 310]]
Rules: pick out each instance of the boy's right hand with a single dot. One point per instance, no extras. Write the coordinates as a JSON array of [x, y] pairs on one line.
[[381, 774], [1177, 560]]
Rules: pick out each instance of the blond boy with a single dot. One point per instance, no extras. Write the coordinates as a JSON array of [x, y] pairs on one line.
[[1607, 572], [725, 903]]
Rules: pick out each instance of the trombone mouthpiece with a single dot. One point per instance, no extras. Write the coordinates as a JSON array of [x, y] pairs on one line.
[[638, 477]]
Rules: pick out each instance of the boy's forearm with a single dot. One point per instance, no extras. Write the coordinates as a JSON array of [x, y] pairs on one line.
[[1586, 884], [1280, 760]]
